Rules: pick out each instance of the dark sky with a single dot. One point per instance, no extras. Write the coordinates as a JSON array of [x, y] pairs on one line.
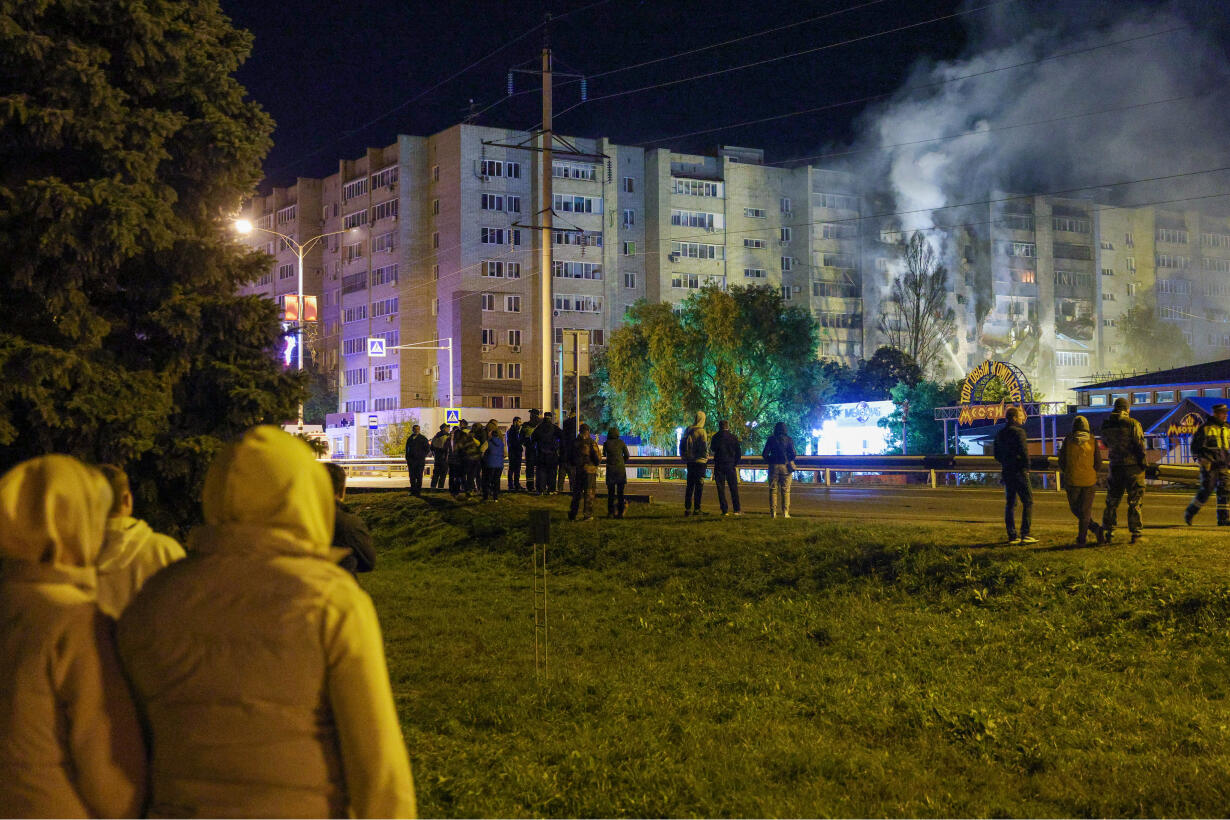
[[340, 76]]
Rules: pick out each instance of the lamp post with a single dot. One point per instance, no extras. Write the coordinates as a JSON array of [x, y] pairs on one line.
[[448, 345], [245, 227]]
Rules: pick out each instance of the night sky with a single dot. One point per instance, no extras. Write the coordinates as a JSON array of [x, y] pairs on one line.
[[338, 77]]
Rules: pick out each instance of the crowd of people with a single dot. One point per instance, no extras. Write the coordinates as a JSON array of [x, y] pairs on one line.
[[245, 678]]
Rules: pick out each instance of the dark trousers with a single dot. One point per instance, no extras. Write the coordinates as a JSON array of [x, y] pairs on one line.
[[456, 477], [727, 475], [439, 469], [696, 486], [615, 503], [1213, 479], [1016, 485], [415, 469], [474, 475], [491, 482], [531, 469], [1080, 502], [1124, 480], [566, 470], [546, 475], [582, 492], [514, 471]]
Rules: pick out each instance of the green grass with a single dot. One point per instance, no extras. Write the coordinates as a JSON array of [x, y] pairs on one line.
[[749, 667]]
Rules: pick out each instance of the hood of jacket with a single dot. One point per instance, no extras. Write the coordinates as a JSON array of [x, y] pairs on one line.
[[125, 540], [699, 421], [270, 483], [1079, 436], [53, 511], [1080, 424], [779, 429]]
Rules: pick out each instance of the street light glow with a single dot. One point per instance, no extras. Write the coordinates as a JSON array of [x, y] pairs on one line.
[[243, 226]]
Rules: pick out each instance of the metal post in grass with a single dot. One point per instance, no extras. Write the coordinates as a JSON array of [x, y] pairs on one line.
[[540, 536]]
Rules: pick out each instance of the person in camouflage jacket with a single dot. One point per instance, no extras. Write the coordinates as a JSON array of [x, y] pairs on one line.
[[1125, 452], [1211, 448]]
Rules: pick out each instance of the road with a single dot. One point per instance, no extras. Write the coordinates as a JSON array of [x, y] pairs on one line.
[[1162, 510]]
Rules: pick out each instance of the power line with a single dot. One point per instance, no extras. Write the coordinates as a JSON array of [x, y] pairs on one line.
[[886, 95], [792, 55]]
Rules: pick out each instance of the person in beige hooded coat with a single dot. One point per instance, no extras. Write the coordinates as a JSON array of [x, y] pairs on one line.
[[258, 662], [70, 742]]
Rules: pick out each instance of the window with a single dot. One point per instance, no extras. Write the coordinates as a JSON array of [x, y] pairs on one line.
[[690, 281], [266, 279], [629, 280], [1166, 260], [514, 338], [571, 204], [786, 205], [512, 304], [435, 306], [787, 263], [755, 243], [1022, 249], [500, 236], [1108, 271], [492, 202], [356, 376], [698, 250], [787, 292], [384, 373], [754, 273], [1130, 263], [359, 406], [435, 240], [1073, 279], [829, 230], [1216, 265], [1179, 287], [578, 304], [355, 219], [786, 234], [502, 370], [354, 282], [576, 270], [1129, 239], [499, 168], [755, 213], [1108, 297], [384, 242], [696, 187], [1131, 289], [1213, 392], [513, 204], [597, 337], [488, 300], [354, 347], [354, 189], [1067, 251], [629, 217], [287, 215], [488, 336], [389, 403], [435, 173], [838, 201], [1018, 223], [580, 238], [392, 338], [1164, 396], [696, 219], [1171, 312], [1189, 394], [1065, 358], [1215, 240], [497, 269], [354, 251], [1098, 400], [384, 210], [384, 307], [1063, 223], [629, 185], [573, 170], [835, 290], [1178, 237], [384, 178], [354, 314], [1110, 322], [435, 272], [286, 271], [629, 249], [1140, 398]]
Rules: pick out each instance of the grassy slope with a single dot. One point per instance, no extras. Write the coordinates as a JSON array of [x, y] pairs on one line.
[[752, 667]]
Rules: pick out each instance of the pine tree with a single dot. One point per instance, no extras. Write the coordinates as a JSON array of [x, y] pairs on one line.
[[126, 146]]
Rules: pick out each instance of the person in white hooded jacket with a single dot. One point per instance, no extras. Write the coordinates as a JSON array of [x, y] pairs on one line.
[[258, 662], [70, 741], [131, 551]]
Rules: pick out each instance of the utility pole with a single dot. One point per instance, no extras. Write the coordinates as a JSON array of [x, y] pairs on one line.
[[544, 284]]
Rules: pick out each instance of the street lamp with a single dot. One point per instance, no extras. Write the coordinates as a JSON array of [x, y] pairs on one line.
[[245, 227]]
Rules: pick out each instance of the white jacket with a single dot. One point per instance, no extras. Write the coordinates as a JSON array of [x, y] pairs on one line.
[[131, 553], [70, 743], [259, 663]]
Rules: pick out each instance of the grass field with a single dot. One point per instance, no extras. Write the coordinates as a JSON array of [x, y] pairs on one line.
[[757, 667]]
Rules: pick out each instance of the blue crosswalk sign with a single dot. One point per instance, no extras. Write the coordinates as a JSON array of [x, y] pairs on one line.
[[375, 346], [452, 416]]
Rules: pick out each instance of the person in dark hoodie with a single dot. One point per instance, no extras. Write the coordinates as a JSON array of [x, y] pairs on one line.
[[349, 531], [779, 454], [568, 447], [547, 444], [417, 448], [531, 450], [1012, 453], [1080, 459], [1211, 447], [727, 453], [515, 450], [694, 450], [1125, 450], [615, 451], [439, 457]]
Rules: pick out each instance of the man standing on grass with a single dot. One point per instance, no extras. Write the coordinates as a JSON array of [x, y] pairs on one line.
[[585, 460], [439, 457], [1211, 447], [417, 448], [1012, 453], [515, 449], [547, 441], [1125, 450], [779, 454], [1080, 459], [727, 453], [531, 450], [568, 444], [616, 453], [694, 450]]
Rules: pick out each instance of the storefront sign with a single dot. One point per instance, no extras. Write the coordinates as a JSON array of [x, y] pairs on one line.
[[973, 390], [1186, 426], [971, 413]]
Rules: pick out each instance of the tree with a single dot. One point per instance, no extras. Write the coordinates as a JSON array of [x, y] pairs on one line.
[[1150, 343], [321, 393], [743, 356], [920, 320], [878, 375], [925, 434], [393, 436], [125, 146]]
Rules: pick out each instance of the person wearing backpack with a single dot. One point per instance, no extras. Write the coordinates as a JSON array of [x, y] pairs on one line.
[[694, 450], [779, 454], [1080, 460]]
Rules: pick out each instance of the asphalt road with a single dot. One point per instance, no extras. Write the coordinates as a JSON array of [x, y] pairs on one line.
[[1163, 510]]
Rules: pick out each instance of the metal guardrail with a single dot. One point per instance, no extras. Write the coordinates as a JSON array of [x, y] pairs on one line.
[[826, 466]]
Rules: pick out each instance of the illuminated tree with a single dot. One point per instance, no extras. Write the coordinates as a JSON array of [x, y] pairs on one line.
[[125, 147], [926, 435], [919, 321], [743, 356]]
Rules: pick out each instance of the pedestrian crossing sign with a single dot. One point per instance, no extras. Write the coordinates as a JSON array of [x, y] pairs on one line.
[[452, 416], [375, 346]]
